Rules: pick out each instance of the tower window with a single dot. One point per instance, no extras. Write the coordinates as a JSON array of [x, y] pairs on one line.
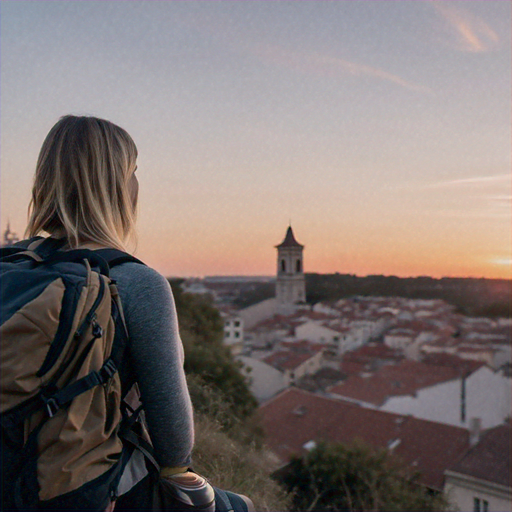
[[283, 266], [298, 266]]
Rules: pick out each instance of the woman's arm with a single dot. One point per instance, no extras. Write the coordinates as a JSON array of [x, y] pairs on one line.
[[156, 355]]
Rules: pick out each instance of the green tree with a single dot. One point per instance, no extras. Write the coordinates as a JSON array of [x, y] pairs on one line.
[[217, 386], [335, 477]]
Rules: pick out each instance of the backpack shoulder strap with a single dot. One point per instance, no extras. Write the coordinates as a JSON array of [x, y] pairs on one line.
[[24, 244], [45, 247], [20, 247], [115, 257]]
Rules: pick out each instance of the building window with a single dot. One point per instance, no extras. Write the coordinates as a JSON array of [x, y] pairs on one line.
[[237, 323], [485, 506], [227, 334], [283, 266], [476, 505], [298, 266], [237, 334]]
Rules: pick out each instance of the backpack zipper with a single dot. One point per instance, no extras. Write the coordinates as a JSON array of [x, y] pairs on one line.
[[58, 345], [91, 316]]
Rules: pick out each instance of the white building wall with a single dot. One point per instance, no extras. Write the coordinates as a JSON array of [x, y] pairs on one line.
[[366, 329], [308, 367], [502, 355], [485, 356], [439, 403], [398, 341], [258, 312], [487, 397], [413, 350], [233, 330], [264, 380], [461, 491], [320, 307], [311, 331], [349, 341]]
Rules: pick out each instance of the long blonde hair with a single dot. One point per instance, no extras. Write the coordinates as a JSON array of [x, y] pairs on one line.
[[81, 183]]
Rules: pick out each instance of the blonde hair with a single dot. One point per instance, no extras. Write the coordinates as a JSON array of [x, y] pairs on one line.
[[81, 183]]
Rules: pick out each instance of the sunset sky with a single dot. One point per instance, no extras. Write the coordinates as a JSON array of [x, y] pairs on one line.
[[380, 129]]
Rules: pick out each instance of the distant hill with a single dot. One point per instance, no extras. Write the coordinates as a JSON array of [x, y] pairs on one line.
[[472, 297]]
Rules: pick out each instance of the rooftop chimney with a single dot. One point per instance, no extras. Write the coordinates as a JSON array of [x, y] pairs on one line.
[[475, 428]]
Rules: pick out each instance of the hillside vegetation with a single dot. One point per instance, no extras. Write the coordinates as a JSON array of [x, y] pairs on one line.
[[229, 449]]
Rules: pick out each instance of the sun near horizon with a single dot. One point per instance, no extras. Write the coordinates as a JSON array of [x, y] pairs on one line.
[[250, 258]]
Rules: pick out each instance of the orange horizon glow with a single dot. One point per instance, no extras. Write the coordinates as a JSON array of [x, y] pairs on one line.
[[253, 267]]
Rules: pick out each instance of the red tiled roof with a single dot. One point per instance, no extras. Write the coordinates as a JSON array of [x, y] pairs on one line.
[[303, 345], [400, 379], [445, 359], [289, 240], [475, 350], [295, 417], [370, 351], [289, 359], [274, 322], [352, 367], [489, 459]]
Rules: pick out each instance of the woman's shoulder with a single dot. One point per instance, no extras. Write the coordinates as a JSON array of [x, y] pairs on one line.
[[144, 292], [137, 273]]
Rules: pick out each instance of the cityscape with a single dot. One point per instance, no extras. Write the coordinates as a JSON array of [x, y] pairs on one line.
[[412, 376]]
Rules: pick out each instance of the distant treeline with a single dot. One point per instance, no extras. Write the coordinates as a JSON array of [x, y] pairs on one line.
[[254, 293], [471, 297]]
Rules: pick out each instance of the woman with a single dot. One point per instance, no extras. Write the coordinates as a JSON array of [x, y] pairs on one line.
[[85, 190]]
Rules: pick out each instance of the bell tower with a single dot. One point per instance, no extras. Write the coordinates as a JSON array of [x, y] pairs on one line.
[[291, 283]]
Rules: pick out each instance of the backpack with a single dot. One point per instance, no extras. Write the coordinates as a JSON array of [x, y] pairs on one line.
[[63, 338]]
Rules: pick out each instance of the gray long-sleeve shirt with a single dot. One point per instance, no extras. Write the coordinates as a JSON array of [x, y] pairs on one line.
[[155, 354]]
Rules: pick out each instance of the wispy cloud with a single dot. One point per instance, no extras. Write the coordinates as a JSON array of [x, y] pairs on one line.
[[468, 214], [313, 62], [474, 198], [476, 180], [307, 62], [471, 33], [502, 261], [500, 199]]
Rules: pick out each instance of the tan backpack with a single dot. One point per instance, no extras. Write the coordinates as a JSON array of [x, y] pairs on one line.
[[62, 338]]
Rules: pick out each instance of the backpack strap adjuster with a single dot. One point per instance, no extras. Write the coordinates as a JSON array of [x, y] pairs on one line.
[[52, 406], [107, 370]]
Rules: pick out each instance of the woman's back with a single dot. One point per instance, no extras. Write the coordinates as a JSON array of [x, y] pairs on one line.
[[85, 192]]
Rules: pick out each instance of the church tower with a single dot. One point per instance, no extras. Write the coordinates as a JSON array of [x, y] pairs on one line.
[[291, 283], [10, 237]]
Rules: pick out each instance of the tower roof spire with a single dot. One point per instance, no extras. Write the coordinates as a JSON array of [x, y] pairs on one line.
[[289, 240]]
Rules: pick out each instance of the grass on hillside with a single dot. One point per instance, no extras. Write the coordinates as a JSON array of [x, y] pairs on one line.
[[236, 466]]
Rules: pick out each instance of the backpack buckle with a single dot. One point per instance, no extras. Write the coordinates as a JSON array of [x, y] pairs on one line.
[[52, 407], [107, 370], [97, 330]]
